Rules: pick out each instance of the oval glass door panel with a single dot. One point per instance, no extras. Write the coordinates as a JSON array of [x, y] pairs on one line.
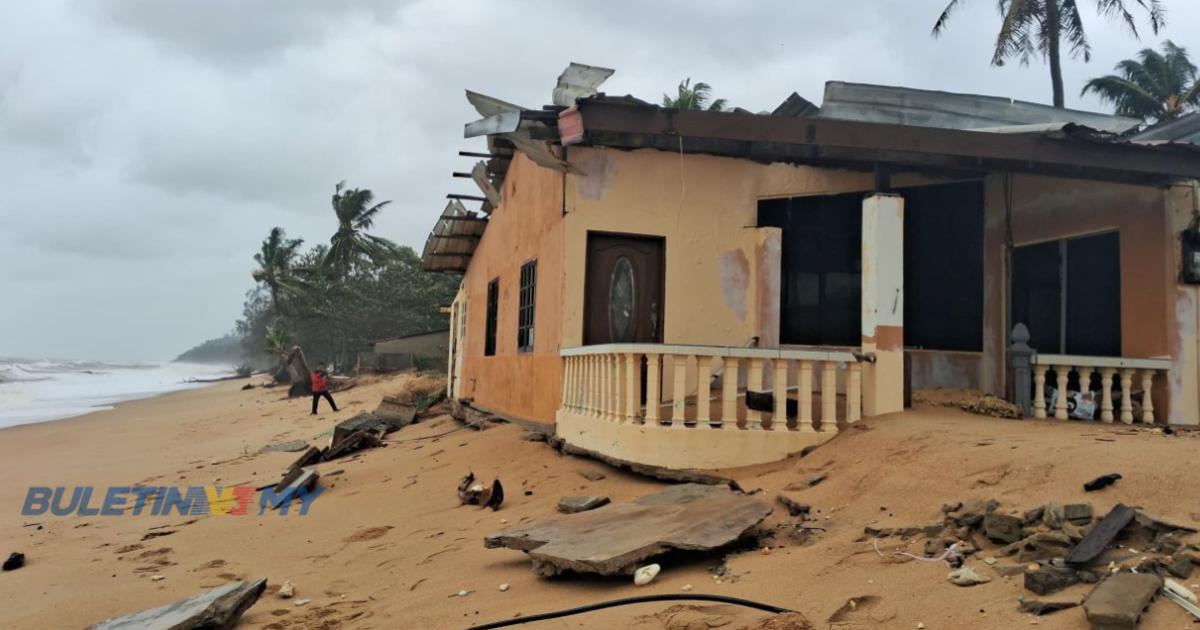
[[621, 301]]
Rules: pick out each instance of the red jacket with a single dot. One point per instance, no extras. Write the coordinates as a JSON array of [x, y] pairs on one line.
[[319, 382]]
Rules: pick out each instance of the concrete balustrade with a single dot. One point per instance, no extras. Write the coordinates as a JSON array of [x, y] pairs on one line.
[[1113, 372], [676, 394]]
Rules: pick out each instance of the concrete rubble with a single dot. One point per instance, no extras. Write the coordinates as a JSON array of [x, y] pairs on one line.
[[217, 609], [616, 538], [1126, 554]]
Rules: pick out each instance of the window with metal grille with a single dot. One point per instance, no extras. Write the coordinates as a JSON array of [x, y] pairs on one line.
[[489, 339], [525, 312]]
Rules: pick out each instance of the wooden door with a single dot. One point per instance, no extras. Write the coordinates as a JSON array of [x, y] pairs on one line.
[[623, 290]]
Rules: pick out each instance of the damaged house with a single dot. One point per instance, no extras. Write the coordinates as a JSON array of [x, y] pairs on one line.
[[637, 275]]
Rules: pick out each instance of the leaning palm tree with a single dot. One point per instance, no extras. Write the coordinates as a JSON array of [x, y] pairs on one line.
[[1040, 27], [694, 97], [1155, 87], [351, 244], [275, 266]]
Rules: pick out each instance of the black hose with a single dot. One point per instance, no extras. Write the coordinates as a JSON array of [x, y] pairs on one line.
[[641, 599]]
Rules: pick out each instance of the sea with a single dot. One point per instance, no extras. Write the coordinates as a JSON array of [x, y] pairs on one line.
[[38, 390]]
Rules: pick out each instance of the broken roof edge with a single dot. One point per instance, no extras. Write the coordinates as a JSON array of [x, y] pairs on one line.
[[1074, 151]]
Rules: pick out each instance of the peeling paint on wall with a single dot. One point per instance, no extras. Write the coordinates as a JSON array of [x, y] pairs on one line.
[[596, 173], [735, 277], [1185, 322]]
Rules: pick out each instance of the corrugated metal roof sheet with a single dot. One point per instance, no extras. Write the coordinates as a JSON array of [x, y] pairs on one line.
[[578, 81], [1183, 129], [453, 239], [949, 110]]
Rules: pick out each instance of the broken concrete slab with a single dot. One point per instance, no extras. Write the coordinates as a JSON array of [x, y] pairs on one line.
[[574, 505], [1048, 579], [1002, 528], [1180, 567], [1042, 607], [1101, 536], [1039, 546], [1159, 524], [1078, 513], [1119, 601], [614, 540], [217, 609]]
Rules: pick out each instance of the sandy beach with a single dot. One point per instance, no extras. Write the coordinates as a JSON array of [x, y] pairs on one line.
[[388, 546]]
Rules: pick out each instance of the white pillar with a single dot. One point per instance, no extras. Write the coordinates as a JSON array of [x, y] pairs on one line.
[[883, 303]]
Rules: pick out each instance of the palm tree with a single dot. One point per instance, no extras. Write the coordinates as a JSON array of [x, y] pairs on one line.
[[351, 243], [694, 97], [275, 265], [1155, 87], [1039, 27]]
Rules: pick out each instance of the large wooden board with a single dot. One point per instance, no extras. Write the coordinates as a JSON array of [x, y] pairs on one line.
[[613, 539]]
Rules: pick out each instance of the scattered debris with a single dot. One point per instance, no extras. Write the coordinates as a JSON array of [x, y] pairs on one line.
[[504, 587], [149, 535], [301, 602], [157, 578], [1101, 536], [646, 574], [1182, 596], [296, 480], [813, 481], [969, 400], [573, 505], [1159, 524], [292, 446], [15, 561], [310, 457], [1078, 513], [966, 576], [287, 590], [1048, 578], [614, 540], [794, 507], [1002, 528], [1041, 607], [217, 609], [471, 493], [591, 475], [1102, 482], [1119, 601]]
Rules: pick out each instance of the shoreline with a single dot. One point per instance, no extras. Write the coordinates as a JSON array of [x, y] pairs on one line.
[[180, 387]]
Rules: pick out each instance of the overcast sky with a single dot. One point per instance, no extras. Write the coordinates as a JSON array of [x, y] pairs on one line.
[[148, 146]]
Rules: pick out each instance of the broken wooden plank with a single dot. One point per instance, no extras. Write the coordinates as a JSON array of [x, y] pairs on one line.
[[308, 458], [295, 481], [1160, 524], [217, 609], [614, 539], [1101, 536], [349, 443]]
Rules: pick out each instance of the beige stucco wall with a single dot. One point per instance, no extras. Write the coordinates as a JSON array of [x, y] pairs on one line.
[[722, 272], [527, 225]]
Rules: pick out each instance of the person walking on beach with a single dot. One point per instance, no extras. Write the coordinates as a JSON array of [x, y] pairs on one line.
[[320, 387]]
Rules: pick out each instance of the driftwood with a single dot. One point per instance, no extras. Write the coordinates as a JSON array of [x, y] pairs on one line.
[[218, 609]]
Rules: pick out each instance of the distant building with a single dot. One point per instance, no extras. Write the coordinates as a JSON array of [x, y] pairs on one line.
[[424, 350], [701, 289]]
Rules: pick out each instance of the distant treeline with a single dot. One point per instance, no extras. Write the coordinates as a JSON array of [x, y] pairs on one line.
[[225, 350]]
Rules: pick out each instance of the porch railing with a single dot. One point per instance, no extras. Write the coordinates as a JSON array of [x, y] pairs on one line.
[[709, 385], [1128, 374]]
